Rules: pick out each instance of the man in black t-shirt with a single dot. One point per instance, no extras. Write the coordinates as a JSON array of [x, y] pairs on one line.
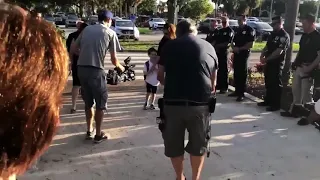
[[213, 33], [243, 42], [223, 42], [190, 67], [303, 66]]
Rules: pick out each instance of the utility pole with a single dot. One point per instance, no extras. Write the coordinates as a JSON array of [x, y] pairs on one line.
[[172, 11], [271, 11], [292, 8]]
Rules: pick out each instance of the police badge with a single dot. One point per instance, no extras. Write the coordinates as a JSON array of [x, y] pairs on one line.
[[282, 39]]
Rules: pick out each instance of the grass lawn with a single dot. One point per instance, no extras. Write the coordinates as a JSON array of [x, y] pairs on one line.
[[145, 45], [144, 30]]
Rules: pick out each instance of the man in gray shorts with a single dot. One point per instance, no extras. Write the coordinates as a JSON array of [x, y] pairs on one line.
[[94, 43], [190, 67]]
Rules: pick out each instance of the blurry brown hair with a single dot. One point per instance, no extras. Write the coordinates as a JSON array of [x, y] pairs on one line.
[[33, 74], [171, 28]]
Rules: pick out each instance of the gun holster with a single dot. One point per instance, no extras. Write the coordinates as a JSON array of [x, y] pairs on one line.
[[212, 103], [161, 120]]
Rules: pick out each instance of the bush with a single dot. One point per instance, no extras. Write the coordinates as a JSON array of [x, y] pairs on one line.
[[61, 32]]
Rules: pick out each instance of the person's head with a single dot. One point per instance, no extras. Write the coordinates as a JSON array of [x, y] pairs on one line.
[[242, 20], [33, 74], [82, 26], [39, 16], [277, 23], [308, 23], [214, 23], [79, 24], [105, 17], [169, 30], [152, 52], [186, 27], [224, 21]]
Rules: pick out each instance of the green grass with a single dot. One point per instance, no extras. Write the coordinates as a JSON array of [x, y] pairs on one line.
[[145, 45], [145, 30]]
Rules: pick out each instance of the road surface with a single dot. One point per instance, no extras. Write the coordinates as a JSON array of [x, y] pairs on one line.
[[153, 37]]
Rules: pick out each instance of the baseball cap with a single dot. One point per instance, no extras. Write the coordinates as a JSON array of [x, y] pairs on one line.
[[104, 14]]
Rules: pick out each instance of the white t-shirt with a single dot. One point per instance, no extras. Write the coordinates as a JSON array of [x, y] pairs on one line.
[[151, 78]]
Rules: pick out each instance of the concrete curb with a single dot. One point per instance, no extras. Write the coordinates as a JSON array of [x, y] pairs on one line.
[[247, 95]]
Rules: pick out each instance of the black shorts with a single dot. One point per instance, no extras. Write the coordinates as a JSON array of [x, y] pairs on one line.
[[194, 119], [74, 69], [151, 89]]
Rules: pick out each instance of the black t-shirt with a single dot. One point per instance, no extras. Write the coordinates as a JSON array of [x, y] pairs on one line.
[[72, 37], [188, 62], [276, 40], [309, 45], [163, 41], [225, 35], [243, 35], [212, 36]]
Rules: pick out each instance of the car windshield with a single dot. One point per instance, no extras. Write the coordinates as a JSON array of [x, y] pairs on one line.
[[73, 17], [158, 20], [124, 23], [263, 25], [49, 18], [233, 23]]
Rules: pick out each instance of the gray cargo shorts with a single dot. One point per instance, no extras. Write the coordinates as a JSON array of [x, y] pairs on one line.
[[194, 119], [93, 87]]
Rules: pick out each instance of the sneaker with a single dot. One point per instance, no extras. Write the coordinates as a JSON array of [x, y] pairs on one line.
[[240, 99], [72, 111], [152, 107], [98, 139], [145, 106], [288, 114], [303, 122], [90, 135]]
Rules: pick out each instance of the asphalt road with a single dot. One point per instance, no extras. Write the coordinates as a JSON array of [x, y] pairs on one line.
[[153, 37]]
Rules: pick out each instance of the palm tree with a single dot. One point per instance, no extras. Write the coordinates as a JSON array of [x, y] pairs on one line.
[[162, 6]]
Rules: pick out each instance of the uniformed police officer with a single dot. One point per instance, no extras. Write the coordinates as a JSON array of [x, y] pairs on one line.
[[273, 56], [213, 34], [223, 41], [243, 41]]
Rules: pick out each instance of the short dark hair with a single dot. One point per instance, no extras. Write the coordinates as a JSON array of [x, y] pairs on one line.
[[150, 50], [310, 18], [185, 27], [276, 18]]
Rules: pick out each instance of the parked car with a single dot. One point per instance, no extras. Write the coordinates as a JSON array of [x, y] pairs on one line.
[[263, 29], [205, 25], [72, 21], [318, 26], [156, 23], [93, 19], [50, 19], [233, 23], [58, 19], [125, 29], [255, 19]]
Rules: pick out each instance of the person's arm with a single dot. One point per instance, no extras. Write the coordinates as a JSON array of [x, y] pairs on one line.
[[68, 42], [145, 71], [161, 67], [214, 79], [75, 46], [250, 42], [114, 45], [227, 43], [284, 43], [313, 65]]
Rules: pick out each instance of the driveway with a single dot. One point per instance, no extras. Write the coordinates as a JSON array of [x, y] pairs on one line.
[[247, 144]]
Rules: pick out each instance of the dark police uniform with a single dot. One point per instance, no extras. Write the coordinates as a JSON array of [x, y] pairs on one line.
[[225, 35], [188, 62], [274, 67], [243, 35], [212, 36]]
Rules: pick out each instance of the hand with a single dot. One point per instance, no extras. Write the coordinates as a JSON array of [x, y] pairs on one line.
[[120, 67]]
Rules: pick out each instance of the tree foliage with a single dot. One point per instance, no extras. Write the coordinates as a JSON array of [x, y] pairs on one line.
[[197, 9], [147, 7]]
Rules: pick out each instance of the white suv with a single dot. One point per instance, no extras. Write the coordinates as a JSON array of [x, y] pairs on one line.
[[155, 23]]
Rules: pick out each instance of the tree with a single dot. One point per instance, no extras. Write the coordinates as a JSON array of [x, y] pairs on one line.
[[162, 6], [198, 9], [147, 7], [253, 4], [308, 7]]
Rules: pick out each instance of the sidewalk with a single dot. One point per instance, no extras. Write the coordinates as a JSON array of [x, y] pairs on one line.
[[247, 144]]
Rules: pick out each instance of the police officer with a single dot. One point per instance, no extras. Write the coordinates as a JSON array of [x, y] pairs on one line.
[[273, 56], [243, 42], [225, 38], [213, 34]]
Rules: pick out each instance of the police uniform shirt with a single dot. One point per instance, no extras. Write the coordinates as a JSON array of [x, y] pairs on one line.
[[309, 45], [225, 35], [243, 35], [276, 40], [212, 36]]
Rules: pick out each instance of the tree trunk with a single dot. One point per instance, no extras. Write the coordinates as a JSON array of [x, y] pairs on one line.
[[292, 9], [172, 11], [92, 7]]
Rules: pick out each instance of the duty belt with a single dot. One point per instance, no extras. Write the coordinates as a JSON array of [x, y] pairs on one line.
[[184, 103]]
